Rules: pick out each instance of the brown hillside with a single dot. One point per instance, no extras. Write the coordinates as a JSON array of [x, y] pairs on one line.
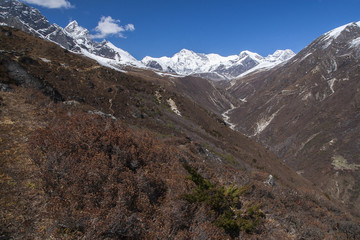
[[150, 173]]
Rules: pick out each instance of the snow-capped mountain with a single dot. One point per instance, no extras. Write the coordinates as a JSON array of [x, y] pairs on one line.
[[78, 39], [340, 34], [104, 52], [214, 66], [73, 37]]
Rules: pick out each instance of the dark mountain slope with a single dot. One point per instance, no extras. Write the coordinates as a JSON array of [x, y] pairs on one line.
[[307, 112]]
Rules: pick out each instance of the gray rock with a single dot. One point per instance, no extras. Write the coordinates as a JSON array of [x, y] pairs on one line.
[[5, 88], [270, 181]]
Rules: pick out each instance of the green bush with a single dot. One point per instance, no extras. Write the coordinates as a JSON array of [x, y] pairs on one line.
[[226, 203]]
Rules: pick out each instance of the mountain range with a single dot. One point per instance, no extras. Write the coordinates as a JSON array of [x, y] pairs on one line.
[[78, 39], [214, 66]]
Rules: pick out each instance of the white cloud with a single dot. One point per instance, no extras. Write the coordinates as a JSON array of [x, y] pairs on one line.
[[108, 26], [50, 3], [130, 27]]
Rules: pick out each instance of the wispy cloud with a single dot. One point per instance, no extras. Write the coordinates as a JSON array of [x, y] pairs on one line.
[[107, 26], [51, 3]]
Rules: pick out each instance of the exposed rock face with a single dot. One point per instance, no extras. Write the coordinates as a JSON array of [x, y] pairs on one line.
[[307, 111], [73, 37], [19, 15], [21, 77]]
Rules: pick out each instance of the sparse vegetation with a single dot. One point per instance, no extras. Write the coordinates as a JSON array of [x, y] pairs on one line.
[[226, 203], [229, 158]]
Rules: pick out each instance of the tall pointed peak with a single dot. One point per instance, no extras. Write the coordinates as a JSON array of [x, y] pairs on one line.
[[77, 31], [72, 25]]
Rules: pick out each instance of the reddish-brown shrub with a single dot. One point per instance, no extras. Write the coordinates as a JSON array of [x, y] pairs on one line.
[[99, 175]]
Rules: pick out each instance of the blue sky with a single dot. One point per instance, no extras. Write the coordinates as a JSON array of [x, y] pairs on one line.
[[163, 27]]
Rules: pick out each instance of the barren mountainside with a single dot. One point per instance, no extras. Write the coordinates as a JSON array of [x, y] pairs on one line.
[[307, 112]]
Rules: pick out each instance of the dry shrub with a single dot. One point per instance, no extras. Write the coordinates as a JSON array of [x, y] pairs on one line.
[[100, 175]]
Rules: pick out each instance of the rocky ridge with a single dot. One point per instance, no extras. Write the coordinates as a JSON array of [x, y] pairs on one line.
[[73, 37]]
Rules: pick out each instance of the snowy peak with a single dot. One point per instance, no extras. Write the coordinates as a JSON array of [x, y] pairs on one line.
[[252, 55], [214, 66], [72, 25], [73, 37], [76, 31], [185, 52], [335, 33], [280, 55], [343, 34]]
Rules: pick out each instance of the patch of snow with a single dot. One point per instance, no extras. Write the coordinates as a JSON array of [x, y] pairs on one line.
[[304, 57], [45, 60], [173, 106], [355, 43], [333, 34], [124, 57], [113, 64], [330, 36], [168, 74]]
